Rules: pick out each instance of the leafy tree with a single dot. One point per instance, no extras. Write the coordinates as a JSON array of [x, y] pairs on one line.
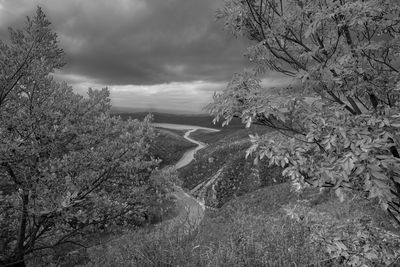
[[343, 122], [65, 163]]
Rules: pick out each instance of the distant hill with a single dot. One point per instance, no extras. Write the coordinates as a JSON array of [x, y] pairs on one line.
[[202, 120]]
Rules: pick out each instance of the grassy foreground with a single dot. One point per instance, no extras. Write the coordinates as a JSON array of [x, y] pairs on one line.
[[269, 227]]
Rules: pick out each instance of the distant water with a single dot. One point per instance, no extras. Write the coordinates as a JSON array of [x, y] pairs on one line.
[[183, 127]]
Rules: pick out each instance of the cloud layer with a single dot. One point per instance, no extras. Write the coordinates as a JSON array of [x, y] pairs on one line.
[[146, 44]]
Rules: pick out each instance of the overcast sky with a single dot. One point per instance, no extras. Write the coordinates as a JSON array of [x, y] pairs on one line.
[[168, 55]]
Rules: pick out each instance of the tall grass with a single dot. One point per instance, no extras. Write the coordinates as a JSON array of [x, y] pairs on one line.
[[253, 230], [244, 241]]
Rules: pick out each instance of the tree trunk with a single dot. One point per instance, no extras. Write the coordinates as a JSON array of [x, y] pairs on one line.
[[396, 154], [19, 249]]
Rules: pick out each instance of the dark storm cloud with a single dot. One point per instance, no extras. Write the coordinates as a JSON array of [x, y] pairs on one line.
[[153, 54], [139, 41]]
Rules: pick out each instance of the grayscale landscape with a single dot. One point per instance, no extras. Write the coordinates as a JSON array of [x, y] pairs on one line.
[[184, 133]]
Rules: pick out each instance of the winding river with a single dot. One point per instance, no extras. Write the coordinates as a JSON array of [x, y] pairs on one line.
[[191, 209], [189, 155]]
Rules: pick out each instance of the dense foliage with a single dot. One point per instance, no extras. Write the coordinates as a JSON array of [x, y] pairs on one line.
[[339, 125], [343, 122], [65, 164]]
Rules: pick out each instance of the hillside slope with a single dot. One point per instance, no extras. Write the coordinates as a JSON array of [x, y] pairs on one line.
[[271, 226], [225, 155]]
